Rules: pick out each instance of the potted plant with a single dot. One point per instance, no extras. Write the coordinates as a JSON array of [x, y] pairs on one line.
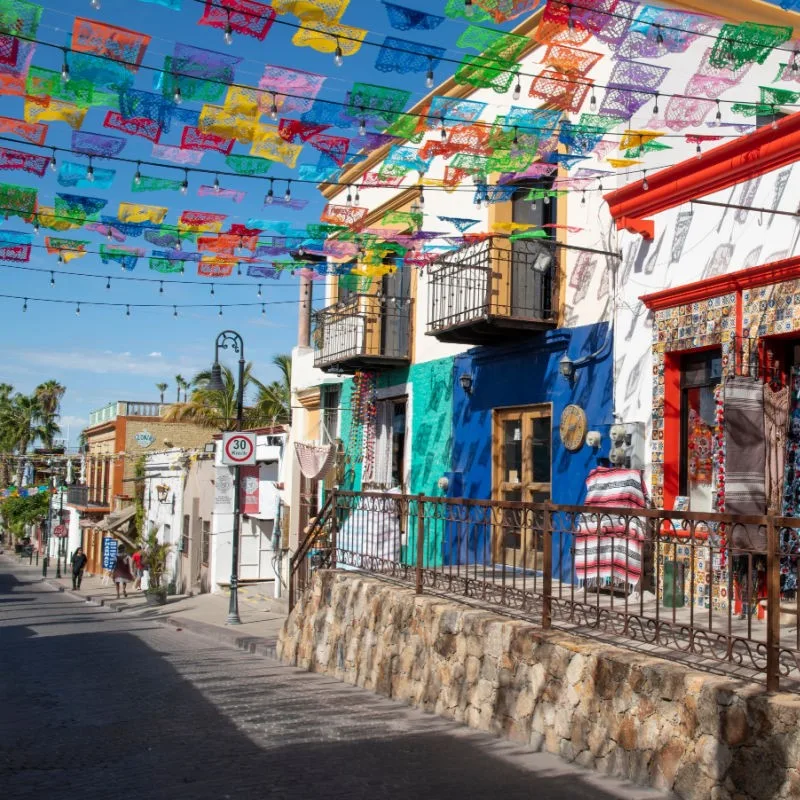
[[155, 557]]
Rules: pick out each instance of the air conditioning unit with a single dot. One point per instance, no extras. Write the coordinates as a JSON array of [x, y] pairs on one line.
[[627, 445]]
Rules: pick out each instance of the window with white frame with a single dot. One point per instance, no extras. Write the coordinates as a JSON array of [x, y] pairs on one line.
[[390, 443]]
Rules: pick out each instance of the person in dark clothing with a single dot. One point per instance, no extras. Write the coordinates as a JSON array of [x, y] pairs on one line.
[[78, 565], [123, 571]]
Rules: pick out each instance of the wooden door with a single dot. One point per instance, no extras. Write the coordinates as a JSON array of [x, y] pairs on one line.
[[522, 457]]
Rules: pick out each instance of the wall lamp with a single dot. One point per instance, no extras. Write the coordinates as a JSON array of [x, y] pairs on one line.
[[465, 379], [566, 366]]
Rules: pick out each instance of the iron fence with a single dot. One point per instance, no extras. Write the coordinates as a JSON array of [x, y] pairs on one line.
[[492, 278], [708, 589]]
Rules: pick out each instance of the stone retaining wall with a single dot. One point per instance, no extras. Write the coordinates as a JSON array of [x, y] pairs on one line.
[[606, 708]]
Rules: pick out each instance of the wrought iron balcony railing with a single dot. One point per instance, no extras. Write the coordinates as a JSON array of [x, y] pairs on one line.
[[491, 290], [363, 332]]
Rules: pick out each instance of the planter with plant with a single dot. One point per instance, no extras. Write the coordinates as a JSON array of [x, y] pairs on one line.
[[155, 557]]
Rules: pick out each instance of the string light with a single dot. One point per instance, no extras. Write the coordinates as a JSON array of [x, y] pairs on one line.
[[357, 198], [659, 35], [36, 224], [258, 294], [655, 105], [349, 199], [60, 257], [362, 127], [161, 287], [774, 119], [177, 96], [53, 164], [583, 197], [212, 289], [263, 310], [228, 36], [65, 69], [337, 58], [719, 112], [95, 4], [216, 184], [174, 311], [90, 171], [137, 176], [52, 278], [793, 65], [570, 21], [288, 196], [429, 77], [109, 235], [593, 101], [25, 305], [108, 281], [517, 89], [421, 198], [185, 184], [273, 109], [270, 194], [533, 204], [515, 140], [220, 312], [127, 311], [645, 184], [699, 150], [443, 131], [78, 310], [469, 9]]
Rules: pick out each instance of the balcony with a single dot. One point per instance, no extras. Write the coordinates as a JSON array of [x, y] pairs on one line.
[[365, 331], [124, 408], [492, 291], [87, 497]]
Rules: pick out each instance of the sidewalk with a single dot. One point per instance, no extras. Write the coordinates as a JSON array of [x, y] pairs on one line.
[[202, 614]]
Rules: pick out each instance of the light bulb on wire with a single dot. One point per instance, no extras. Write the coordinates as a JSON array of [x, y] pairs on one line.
[[517, 89], [177, 96], [108, 281], [288, 195], [337, 56], [258, 294], [52, 279], [228, 29], [137, 176], [53, 163], [78, 310], [95, 4], [65, 69], [429, 77], [90, 171], [270, 193], [273, 109], [469, 9], [25, 305], [216, 184], [185, 184]]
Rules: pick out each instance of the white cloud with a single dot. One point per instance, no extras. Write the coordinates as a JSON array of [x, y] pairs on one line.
[[155, 354], [104, 363]]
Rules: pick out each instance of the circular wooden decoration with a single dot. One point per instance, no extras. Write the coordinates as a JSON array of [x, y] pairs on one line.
[[573, 427]]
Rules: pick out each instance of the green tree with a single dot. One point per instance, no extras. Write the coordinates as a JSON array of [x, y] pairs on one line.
[[48, 395], [20, 419], [162, 387], [274, 401], [180, 383]]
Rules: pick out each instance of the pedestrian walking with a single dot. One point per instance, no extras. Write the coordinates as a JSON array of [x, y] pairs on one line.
[[122, 574], [78, 565], [136, 558]]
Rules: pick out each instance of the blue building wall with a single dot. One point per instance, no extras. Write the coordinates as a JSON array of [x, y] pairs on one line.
[[520, 375]]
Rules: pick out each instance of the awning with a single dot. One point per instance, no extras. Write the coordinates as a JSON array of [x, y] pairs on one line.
[[116, 519]]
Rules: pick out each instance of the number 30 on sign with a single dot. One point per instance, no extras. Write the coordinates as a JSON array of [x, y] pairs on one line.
[[238, 449]]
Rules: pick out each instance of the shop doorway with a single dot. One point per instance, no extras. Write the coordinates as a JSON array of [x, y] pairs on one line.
[[700, 375], [522, 458]]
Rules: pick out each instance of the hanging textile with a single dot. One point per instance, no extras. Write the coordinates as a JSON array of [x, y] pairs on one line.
[[608, 548], [315, 459], [243, 16], [407, 19], [745, 449], [776, 426]]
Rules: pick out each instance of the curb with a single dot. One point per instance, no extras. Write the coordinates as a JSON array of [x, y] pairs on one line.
[[257, 645]]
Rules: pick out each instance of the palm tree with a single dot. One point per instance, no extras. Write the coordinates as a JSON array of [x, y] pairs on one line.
[[274, 401], [216, 409], [180, 383], [162, 387], [48, 395], [19, 419]]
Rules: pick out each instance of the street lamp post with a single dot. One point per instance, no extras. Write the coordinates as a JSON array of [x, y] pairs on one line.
[[232, 340]]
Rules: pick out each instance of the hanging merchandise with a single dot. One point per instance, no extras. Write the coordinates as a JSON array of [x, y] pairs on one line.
[[315, 460]]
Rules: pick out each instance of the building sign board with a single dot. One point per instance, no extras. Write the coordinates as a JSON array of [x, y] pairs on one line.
[[144, 438]]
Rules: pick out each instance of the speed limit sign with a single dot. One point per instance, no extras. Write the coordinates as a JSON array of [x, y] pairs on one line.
[[238, 449]]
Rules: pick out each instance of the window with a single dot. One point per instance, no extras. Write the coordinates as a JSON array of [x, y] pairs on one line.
[[185, 534], [206, 540], [390, 443], [330, 414], [167, 534], [700, 374], [522, 445]]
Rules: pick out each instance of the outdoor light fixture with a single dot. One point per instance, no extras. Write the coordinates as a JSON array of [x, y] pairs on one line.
[[215, 383], [566, 366], [162, 491], [465, 379]]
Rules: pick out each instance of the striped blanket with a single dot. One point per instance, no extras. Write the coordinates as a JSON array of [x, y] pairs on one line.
[[608, 547]]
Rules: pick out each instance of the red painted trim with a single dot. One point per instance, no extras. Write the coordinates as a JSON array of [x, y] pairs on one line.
[[672, 427], [645, 227], [778, 271], [747, 157]]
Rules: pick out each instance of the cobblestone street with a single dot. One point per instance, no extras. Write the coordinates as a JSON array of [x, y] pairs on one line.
[[96, 704]]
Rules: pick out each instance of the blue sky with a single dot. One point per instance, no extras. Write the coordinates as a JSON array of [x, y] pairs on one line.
[[104, 355]]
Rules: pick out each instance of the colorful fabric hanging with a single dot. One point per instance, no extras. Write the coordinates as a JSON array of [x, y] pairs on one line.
[[243, 16], [409, 19], [134, 126], [295, 90], [737, 45], [23, 162], [404, 56], [15, 246], [119, 44], [30, 132], [71, 174], [325, 37], [97, 144]]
